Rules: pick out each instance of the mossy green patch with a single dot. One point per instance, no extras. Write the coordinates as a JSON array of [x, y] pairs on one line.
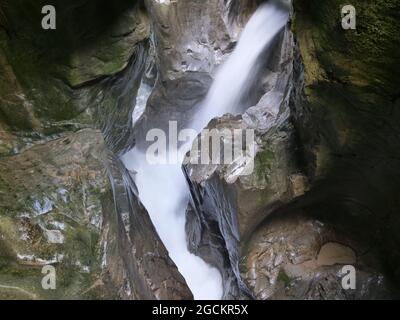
[[284, 278]]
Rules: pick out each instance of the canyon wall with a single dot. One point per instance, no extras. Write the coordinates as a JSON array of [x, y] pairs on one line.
[[65, 199]]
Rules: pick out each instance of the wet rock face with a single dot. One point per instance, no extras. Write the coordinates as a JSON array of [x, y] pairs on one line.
[[184, 42], [151, 274], [57, 208]]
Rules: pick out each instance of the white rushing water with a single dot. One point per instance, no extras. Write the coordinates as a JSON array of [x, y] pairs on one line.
[[234, 76], [163, 189]]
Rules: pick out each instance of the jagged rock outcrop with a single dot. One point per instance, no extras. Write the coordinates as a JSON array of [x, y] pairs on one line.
[[185, 42]]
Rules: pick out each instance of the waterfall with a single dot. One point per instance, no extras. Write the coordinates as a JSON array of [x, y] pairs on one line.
[[163, 189], [234, 77]]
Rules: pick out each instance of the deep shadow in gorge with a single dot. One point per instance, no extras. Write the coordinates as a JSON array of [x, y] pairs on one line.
[[353, 116], [343, 109], [80, 23]]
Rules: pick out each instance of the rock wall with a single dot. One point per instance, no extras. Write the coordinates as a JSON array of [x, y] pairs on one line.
[[346, 118], [66, 102], [187, 51]]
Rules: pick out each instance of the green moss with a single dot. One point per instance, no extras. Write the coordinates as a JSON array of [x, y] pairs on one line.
[[53, 75], [284, 278], [263, 163], [365, 55]]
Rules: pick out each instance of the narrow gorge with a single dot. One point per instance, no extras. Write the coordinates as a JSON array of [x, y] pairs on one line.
[[101, 176]]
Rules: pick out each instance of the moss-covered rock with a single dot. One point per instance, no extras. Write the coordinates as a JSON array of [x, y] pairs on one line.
[[50, 79], [51, 213]]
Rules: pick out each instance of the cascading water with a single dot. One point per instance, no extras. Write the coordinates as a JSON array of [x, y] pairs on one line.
[[234, 77], [163, 189]]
